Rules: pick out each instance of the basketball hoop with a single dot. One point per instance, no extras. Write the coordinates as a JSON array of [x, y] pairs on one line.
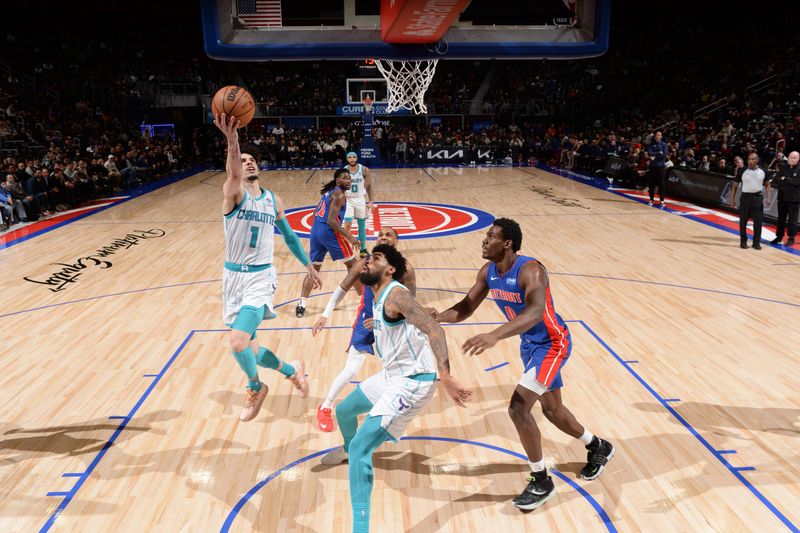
[[367, 101], [407, 82]]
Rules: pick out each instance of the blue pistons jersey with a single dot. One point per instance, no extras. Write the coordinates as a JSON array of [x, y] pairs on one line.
[[363, 338], [547, 344], [324, 205]]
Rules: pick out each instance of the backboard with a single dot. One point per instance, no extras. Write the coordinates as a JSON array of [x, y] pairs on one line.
[[286, 30]]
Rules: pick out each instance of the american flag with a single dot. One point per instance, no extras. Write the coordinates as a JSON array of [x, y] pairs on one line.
[[259, 13]]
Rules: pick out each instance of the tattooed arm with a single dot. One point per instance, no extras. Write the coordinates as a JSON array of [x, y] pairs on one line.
[[399, 303]]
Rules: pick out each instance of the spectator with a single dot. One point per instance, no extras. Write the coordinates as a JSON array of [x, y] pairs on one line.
[[114, 175], [787, 180]]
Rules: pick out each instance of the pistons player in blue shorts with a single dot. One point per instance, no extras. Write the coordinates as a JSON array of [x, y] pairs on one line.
[[362, 338], [520, 287], [328, 236]]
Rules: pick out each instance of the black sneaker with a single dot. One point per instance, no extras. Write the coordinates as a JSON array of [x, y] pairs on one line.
[[790, 242], [756, 246], [776, 240], [362, 254], [540, 489], [743, 245], [600, 452], [299, 311]]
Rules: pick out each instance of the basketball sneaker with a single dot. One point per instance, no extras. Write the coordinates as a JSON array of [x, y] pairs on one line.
[[650, 203], [540, 489], [298, 379], [363, 253], [600, 452], [324, 419], [299, 311], [253, 402], [336, 456]]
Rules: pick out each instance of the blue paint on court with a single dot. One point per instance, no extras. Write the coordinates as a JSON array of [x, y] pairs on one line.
[[572, 274], [495, 367], [226, 526], [736, 471]]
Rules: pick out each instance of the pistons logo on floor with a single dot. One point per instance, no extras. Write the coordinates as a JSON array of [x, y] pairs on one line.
[[412, 220]]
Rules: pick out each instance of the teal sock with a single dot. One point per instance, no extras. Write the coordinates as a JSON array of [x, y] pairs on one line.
[[268, 359], [360, 518], [368, 438], [347, 412], [254, 384], [362, 232], [247, 361], [287, 369]]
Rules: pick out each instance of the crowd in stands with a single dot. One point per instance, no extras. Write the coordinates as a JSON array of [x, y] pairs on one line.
[[69, 108]]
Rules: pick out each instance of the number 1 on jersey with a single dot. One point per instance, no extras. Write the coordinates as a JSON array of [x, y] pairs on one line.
[[253, 236]]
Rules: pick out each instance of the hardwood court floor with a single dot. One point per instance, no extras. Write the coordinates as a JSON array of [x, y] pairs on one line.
[[133, 354]]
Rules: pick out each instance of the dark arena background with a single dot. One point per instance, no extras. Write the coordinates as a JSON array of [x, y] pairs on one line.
[[647, 151]]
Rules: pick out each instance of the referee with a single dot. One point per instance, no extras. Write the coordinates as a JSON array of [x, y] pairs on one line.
[[751, 203]]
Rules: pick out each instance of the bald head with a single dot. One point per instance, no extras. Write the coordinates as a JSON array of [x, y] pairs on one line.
[[794, 158]]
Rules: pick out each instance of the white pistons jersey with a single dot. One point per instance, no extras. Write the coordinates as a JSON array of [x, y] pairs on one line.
[[357, 189], [250, 230], [404, 350]]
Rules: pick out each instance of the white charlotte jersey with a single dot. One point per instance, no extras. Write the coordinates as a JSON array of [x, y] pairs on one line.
[[357, 188], [250, 230], [404, 350]]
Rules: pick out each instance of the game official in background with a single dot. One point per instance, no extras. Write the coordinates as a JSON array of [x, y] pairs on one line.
[[751, 203]]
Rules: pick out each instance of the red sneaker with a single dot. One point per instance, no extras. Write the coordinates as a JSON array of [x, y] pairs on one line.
[[324, 419]]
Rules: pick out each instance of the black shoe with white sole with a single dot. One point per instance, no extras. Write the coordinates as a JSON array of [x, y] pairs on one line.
[[600, 452], [540, 489]]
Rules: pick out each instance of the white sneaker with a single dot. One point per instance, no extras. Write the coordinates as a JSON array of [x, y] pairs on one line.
[[334, 457], [650, 203]]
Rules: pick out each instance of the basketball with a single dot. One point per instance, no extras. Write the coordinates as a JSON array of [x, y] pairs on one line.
[[236, 102]]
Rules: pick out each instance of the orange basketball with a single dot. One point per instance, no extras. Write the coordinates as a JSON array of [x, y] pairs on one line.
[[234, 102]]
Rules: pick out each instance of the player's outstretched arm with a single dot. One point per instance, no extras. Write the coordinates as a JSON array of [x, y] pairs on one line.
[[410, 279], [293, 243], [401, 303], [347, 284], [464, 309], [232, 188], [533, 279]]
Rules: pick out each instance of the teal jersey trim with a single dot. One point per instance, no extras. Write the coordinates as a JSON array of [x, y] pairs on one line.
[[238, 267], [236, 209]]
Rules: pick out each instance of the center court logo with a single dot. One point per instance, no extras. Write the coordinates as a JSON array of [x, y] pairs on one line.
[[412, 220]]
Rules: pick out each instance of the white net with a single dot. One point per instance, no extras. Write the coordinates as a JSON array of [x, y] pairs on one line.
[[407, 82]]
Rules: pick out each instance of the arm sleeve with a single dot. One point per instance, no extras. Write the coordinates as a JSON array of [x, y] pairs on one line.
[[291, 240]]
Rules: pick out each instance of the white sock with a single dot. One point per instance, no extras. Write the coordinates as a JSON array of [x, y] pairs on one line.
[[302, 302], [538, 466], [586, 438], [354, 361]]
